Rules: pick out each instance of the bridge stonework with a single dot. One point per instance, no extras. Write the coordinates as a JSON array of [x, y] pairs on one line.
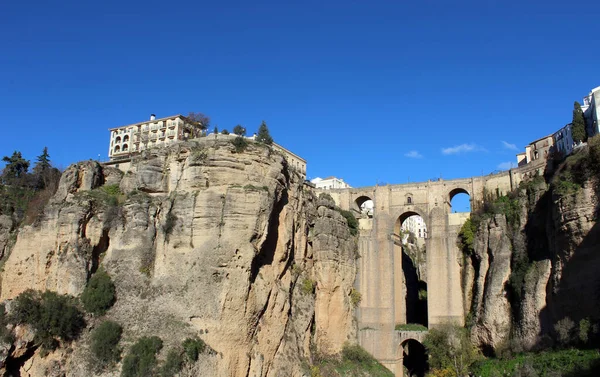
[[380, 276]]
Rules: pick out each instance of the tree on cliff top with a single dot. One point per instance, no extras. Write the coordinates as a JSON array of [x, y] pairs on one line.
[[263, 135], [239, 130], [199, 123], [578, 124], [16, 167]]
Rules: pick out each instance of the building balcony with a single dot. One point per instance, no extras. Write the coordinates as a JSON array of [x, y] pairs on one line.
[[162, 125], [171, 133], [154, 127], [153, 136]]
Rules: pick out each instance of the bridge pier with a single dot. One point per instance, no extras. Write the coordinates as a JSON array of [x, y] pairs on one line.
[[380, 274]]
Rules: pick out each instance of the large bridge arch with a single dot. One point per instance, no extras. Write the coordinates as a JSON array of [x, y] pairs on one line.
[[410, 270], [457, 191]]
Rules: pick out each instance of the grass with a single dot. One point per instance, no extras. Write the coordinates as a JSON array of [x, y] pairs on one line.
[[353, 361], [570, 362], [410, 327]]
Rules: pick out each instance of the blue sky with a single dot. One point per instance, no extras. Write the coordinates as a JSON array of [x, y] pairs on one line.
[[373, 92]]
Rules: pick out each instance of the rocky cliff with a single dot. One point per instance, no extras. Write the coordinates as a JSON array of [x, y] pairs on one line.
[[541, 266], [199, 241]]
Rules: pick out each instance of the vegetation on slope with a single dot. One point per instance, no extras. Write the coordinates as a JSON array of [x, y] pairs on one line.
[[54, 317], [353, 361]]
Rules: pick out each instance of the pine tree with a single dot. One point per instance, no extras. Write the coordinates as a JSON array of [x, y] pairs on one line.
[[43, 162], [263, 134], [16, 166], [578, 124], [42, 170]]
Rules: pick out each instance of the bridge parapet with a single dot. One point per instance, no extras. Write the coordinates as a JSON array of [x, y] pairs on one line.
[[402, 336]]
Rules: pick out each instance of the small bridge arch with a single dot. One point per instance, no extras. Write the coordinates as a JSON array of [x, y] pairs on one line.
[[411, 354]]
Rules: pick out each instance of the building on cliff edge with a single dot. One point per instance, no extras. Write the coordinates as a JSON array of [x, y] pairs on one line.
[[132, 139], [329, 183]]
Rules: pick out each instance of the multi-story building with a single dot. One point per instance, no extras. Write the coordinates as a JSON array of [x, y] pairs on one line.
[[134, 138], [591, 110], [330, 183], [563, 140], [536, 151], [415, 225]]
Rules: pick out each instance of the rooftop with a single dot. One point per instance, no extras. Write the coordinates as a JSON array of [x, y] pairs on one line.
[[147, 121]]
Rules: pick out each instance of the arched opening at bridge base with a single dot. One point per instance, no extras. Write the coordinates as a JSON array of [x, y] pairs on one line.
[[414, 359], [411, 282]]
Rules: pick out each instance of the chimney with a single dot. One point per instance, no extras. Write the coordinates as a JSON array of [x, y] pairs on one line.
[[152, 116]]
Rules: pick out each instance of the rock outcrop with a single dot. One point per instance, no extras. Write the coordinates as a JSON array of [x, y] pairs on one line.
[[200, 241], [490, 306], [525, 277]]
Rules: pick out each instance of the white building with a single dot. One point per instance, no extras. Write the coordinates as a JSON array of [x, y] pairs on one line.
[[591, 110], [330, 183], [415, 225], [563, 140], [134, 138]]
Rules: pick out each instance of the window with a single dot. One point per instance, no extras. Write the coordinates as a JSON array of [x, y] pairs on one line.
[[408, 200]]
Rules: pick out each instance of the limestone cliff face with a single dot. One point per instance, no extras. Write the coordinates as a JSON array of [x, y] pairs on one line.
[[203, 241], [490, 308], [550, 260]]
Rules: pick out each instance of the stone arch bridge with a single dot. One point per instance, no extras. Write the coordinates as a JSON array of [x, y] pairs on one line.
[[382, 279]]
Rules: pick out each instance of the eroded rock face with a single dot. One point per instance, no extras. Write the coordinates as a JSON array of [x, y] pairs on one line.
[[490, 308], [203, 242], [558, 237]]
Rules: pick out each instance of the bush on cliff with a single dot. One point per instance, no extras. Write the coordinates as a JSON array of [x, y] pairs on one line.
[[99, 293], [141, 359], [52, 316], [104, 343], [173, 363], [193, 347]]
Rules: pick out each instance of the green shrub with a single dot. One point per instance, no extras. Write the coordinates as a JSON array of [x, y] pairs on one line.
[[240, 143], [173, 363], [353, 361], [170, 223], [569, 362], [141, 359], [565, 331], [107, 195], [193, 347], [351, 220], [104, 343], [410, 327], [308, 286], [224, 132], [250, 187], [449, 347], [99, 293], [355, 298], [52, 316], [584, 330], [466, 236], [356, 353]]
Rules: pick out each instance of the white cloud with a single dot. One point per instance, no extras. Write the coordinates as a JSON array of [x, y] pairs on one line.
[[506, 165], [463, 148], [510, 146], [413, 154]]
